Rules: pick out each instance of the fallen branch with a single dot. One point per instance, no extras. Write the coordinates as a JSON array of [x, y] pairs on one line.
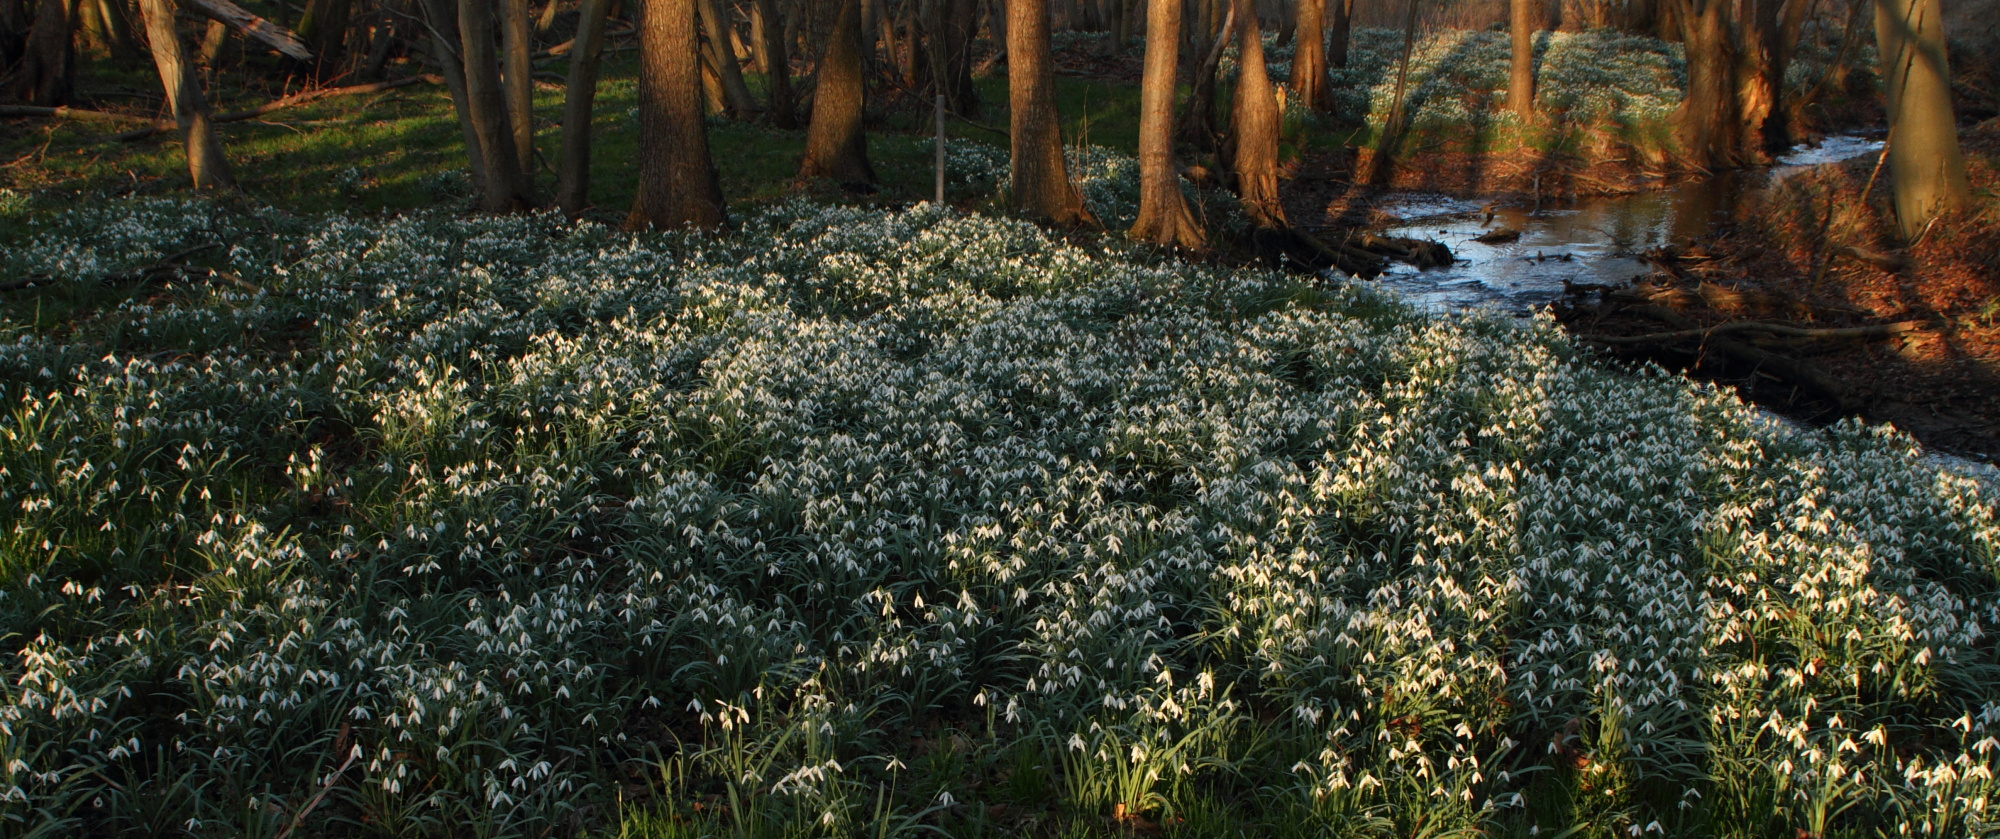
[[1882, 330], [276, 105], [1760, 361], [1888, 263], [67, 113]]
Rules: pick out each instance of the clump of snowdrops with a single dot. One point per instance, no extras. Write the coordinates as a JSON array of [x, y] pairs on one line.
[[861, 521]]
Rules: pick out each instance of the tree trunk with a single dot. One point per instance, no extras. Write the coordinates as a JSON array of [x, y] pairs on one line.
[[1309, 82], [442, 17], [678, 186], [548, 17], [1253, 127], [1198, 127], [47, 72], [1708, 124], [1521, 79], [508, 187], [573, 174], [836, 142], [1040, 187], [1926, 167], [323, 27], [1164, 219], [517, 46], [1340, 32], [206, 165], [210, 54], [720, 54], [777, 66], [13, 32]]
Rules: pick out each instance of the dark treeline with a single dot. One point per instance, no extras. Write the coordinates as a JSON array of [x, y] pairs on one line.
[[838, 64]]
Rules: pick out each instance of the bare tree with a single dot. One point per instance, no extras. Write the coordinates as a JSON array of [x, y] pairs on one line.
[[1253, 126], [1340, 25], [1163, 213], [1309, 82], [573, 174], [1925, 165], [206, 164], [1708, 127], [323, 27], [507, 184], [1040, 186], [678, 186], [836, 142], [718, 28], [46, 74], [1521, 81], [442, 23]]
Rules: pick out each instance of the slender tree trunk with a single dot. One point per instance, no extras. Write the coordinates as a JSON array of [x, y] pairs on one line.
[[508, 186], [780, 101], [46, 75], [1163, 213], [1781, 37], [206, 164], [548, 18], [1339, 32], [720, 54], [210, 54], [517, 47], [442, 16], [836, 142], [573, 174], [1309, 82], [1253, 127], [323, 28], [1198, 127], [1040, 187], [1521, 79], [1926, 168], [678, 186]]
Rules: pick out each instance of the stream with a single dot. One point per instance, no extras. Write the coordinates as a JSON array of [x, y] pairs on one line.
[[1591, 241]]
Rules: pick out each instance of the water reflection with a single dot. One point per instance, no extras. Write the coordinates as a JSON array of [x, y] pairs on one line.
[[1596, 240]]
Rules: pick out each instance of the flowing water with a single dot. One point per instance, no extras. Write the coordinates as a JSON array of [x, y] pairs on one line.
[[1593, 241]]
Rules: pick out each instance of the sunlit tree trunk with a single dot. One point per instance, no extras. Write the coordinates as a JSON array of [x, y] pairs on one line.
[[517, 47], [1040, 187], [1163, 213], [734, 90], [678, 186], [1925, 164], [1253, 126], [1521, 79], [837, 140], [206, 164], [508, 187], [1309, 82], [573, 175], [777, 65], [1708, 125], [46, 74]]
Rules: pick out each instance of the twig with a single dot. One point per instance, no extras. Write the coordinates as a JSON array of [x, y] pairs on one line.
[[276, 105], [65, 112], [323, 790]]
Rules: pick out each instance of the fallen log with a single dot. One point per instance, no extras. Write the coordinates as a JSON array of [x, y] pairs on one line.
[[62, 112], [291, 101], [1887, 263], [1760, 360], [1881, 330]]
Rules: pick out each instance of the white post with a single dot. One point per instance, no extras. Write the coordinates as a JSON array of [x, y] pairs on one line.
[[940, 150]]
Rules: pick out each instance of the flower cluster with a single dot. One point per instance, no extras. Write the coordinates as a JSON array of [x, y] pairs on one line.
[[454, 520]]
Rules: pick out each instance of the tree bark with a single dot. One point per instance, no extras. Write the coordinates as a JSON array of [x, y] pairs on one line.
[[442, 19], [1164, 219], [1340, 33], [780, 103], [836, 141], [573, 174], [206, 164], [517, 80], [1309, 82], [1926, 168], [1707, 126], [508, 187], [1040, 186], [46, 75], [678, 186], [1253, 126], [1521, 78], [13, 32], [323, 27], [735, 92], [1198, 127]]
